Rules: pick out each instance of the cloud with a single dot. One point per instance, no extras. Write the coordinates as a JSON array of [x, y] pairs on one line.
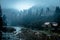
[[9, 3]]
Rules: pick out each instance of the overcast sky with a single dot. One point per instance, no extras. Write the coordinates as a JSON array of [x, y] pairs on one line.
[[13, 3]]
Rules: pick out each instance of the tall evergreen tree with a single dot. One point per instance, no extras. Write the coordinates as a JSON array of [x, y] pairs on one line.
[[0, 22], [57, 15], [0, 17], [4, 20]]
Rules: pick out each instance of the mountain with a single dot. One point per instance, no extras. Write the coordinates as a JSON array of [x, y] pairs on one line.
[[32, 15]]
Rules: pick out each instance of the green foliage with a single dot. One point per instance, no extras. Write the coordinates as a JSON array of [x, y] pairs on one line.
[[29, 34]]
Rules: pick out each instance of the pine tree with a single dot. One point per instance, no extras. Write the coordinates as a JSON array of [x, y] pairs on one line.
[[0, 17], [4, 20], [57, 15], [0, 22]]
